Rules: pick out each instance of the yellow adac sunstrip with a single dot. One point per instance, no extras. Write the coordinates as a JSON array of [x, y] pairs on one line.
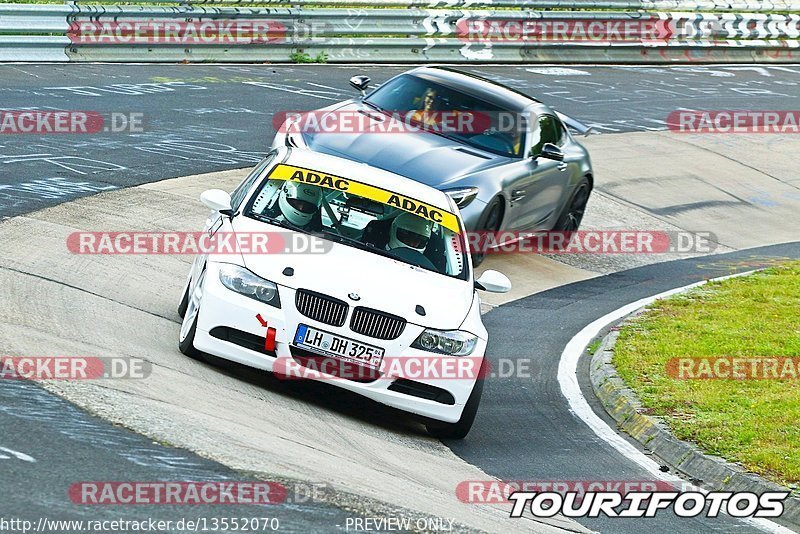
[[337, 183]]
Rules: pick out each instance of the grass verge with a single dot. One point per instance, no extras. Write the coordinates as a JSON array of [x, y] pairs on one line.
[[754, 422]]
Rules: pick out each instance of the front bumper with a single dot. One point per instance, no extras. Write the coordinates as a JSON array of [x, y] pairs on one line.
[[222, 310]]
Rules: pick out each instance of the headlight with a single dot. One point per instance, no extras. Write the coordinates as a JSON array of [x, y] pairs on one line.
[[245, 283], [463, 195], [452, 342]]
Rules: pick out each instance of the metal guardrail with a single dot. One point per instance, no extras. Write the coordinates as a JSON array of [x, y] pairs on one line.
[[77, 32], [709, 6]]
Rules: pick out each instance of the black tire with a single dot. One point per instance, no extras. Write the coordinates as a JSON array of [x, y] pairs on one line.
[[186, 345], [184, 302], [461, 428], [572, 215], [491, 221]]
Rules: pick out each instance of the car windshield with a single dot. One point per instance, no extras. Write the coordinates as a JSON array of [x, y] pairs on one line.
[[362, 216], [453, 114]]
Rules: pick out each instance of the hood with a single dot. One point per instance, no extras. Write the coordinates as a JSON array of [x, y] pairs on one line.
[[382, 283], [422, 156]]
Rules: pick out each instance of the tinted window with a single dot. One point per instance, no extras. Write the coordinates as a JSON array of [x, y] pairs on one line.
[[453, 114], [549, 131], [367, 223]]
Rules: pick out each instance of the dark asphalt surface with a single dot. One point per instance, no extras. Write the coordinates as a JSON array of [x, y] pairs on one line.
[[525, 430], [202, 118], [70, 446]]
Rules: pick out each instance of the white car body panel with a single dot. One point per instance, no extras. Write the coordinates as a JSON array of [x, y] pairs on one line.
[[446, 300], [381, 283]]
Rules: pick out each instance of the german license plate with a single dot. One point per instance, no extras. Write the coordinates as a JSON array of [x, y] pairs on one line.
[[337, 346]]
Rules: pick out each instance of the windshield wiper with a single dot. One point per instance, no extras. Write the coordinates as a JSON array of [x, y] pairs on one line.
[[376, 107]]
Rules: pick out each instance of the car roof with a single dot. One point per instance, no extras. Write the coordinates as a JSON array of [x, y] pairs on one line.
[[484, 88], [361, 172]]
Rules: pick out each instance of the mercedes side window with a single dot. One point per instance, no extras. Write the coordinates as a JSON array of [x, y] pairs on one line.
[[547, 132]]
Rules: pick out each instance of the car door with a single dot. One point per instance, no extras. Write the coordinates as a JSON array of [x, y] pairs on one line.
[[535, 193]]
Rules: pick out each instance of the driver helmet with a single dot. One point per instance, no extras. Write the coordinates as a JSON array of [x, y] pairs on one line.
[[299, 202], [409, 230]]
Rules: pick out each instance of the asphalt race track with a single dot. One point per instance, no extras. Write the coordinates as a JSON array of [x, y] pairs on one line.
[[68, 446], [202, 118], [206, 118], [532, 417]]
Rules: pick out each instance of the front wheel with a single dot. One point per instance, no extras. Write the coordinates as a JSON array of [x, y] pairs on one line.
[[460, 428], [184, 304], [571, 217], [189, 324]]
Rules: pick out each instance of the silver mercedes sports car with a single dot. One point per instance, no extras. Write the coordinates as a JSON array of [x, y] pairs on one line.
[[510, 162]]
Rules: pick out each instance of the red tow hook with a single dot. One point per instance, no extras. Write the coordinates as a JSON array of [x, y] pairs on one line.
[[269, 340]]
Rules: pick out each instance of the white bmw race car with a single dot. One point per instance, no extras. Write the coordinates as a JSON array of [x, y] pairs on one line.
[[338, 271]]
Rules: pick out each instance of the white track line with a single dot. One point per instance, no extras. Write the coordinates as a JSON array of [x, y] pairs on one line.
[[568, 380]]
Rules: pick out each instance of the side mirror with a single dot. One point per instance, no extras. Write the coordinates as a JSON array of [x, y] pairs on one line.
[[493, 282], [217, 200], [551, 151], [361, 83]]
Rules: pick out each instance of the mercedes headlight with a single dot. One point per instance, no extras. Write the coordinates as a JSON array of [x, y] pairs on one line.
[[452, 342], [246, 283], [463, 195]]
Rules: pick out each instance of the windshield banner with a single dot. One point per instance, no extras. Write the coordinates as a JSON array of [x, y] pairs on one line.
[[390, 198]]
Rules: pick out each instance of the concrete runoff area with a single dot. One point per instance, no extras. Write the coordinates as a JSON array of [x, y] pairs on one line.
[[59, 303], [742, 187]]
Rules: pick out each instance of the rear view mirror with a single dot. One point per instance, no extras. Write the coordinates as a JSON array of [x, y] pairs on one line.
[[217, 200], [361, 83], [551, 151], [493, 282]]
